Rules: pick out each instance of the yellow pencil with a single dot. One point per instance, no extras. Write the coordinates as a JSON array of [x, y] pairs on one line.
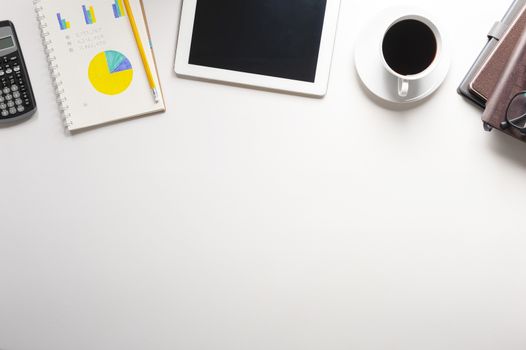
[[140, 46]]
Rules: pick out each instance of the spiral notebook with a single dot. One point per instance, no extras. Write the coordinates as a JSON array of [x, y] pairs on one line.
[[94, 61]]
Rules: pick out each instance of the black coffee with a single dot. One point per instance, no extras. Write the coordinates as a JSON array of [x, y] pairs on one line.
[[409, 47]]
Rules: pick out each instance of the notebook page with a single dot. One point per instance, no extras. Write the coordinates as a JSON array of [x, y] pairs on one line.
[[102, 75]]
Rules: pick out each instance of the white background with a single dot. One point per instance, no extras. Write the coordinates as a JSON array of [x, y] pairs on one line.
[[244, 219]]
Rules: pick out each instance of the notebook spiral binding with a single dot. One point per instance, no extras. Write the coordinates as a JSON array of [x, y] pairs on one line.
[[52, 62]]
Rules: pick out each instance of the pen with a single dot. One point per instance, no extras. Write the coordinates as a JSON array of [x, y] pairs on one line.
[[140, 46]]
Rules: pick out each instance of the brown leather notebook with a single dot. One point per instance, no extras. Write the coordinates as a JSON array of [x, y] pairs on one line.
[[511, 82], [490, 73]]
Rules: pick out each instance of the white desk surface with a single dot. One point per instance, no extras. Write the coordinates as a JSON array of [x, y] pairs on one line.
[[244, 219]]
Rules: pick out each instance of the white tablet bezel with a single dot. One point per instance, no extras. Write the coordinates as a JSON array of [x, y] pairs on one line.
[[318, 88]]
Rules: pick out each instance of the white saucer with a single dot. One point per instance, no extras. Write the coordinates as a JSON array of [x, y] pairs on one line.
[[372, 72]]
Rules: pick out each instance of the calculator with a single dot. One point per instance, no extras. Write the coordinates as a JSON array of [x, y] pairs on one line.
[[17, 101]]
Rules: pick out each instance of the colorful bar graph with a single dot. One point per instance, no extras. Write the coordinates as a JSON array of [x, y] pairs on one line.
[[89, 15], [62, 22], [118, 9]]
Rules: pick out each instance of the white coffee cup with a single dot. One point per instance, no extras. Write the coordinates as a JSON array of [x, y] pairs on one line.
[[406, 80]]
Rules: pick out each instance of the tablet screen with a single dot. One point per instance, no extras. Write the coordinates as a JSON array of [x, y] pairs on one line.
[[278, 38]]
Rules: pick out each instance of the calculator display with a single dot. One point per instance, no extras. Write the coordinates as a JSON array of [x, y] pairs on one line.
[[6, 42]]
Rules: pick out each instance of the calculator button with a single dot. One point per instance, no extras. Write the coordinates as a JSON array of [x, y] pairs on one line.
[[2, 99], [20, 109], [10, 104], [3, 106], [8, 97], [14, 88], [12, 110], [6, 90], [18, 102], [5, 113], [2, 73], [16, 94], [8, 71], [16, 69]]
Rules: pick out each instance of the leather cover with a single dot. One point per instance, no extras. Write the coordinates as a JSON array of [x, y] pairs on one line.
[[497, 32], [512, 82]]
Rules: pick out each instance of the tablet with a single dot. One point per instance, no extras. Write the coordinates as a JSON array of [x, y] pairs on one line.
[[284, 45]]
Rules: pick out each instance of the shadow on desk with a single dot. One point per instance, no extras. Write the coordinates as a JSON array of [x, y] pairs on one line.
[[508, 147], [8, 125], [392, 106], [503, 145]]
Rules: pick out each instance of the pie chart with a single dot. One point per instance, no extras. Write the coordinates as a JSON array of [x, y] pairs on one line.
[[110, 72]]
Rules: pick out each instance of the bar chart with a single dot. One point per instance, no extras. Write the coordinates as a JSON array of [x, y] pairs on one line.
[[118, 9], [89, 15], [62, 22]]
